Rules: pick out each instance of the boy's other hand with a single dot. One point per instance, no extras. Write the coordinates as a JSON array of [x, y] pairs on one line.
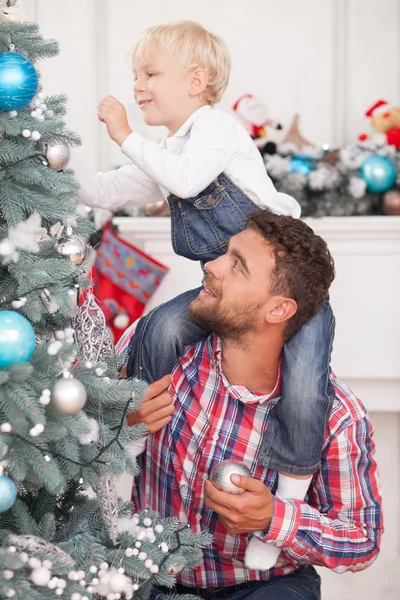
[[113, 114], [157, 407]]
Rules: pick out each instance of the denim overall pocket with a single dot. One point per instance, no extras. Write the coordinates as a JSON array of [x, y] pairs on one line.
[[202, 226]]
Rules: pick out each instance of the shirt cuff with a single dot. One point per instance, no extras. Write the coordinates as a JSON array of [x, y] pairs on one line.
[[285, 523], [133, 145]]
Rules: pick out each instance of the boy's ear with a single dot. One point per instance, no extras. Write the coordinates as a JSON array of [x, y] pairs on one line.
[[198, 82]]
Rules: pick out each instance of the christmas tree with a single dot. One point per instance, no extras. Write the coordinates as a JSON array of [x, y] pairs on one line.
[[63, 406]]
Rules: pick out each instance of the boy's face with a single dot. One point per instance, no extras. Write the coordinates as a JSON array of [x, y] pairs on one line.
[[162, 90]]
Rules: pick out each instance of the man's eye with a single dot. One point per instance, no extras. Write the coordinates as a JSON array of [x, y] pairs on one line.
[[150, 74], [237, 265]]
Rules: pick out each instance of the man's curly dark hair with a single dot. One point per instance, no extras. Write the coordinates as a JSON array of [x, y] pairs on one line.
[[304, 267]]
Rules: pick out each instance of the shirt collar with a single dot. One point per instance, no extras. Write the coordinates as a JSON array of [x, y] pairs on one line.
[[186, 127], [240, 392]]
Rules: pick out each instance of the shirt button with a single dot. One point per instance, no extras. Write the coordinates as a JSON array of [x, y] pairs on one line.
[[215, 436], [198, 517], [204, 476]]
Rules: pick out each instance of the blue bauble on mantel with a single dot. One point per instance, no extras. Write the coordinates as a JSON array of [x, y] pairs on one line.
[[17, 339], [379, 173], [302, 164], [18, 81]]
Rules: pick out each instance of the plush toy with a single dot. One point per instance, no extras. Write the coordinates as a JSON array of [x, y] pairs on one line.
[[384, 119], [252, 112]]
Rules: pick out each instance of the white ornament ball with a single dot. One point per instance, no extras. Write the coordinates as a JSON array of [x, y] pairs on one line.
[[41, 576], [36, 135], [220, 475], [69, 396], [26, 133]]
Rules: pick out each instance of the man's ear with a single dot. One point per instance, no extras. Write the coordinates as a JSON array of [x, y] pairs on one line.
[[281, 309], [198, 82]]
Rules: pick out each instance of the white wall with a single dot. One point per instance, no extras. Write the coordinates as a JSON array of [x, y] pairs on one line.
[[328, 60]]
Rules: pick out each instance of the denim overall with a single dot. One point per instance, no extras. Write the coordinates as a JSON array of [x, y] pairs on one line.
[[201, 228]]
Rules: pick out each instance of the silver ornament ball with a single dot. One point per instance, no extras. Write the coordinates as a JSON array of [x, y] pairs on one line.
[[69, 395], [57, 155], [220, 475], [72, 246]]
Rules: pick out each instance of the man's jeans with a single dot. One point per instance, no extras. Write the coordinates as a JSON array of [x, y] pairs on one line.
[[303, 584]]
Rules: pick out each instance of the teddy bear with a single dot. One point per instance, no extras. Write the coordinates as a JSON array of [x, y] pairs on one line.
[[384, 119]]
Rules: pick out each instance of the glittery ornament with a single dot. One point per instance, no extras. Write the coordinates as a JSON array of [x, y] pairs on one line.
[[32, 545], [221, 475], [69, 395], [107, 498], [72, 246], [93, 339], [57, 155]]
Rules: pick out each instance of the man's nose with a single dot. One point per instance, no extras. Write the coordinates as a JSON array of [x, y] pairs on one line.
[[214, 267]]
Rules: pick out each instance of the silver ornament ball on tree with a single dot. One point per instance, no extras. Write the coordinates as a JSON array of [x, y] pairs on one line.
[[68, 395], [57, 155], [72, 246], [220, 475]]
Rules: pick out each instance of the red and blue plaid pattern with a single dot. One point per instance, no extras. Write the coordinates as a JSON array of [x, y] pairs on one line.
[[338, 526]]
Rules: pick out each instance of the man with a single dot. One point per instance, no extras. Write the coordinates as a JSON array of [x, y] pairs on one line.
[[273, 279]]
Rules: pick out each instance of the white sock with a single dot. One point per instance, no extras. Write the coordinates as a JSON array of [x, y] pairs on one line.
[[262, 555]]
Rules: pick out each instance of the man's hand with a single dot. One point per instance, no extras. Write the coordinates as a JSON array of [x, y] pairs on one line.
[[113, 114], [251, 511], [156, 409]]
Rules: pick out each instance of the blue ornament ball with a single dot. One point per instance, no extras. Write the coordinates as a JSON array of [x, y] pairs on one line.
[[8, 493], [17, 339], [18, 81], [379, 173], [302, 164]]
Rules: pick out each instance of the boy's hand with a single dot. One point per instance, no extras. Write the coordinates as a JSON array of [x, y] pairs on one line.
[[157, 407], [113, 114]]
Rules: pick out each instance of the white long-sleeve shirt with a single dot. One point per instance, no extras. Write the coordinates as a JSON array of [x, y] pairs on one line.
[[208, 143]]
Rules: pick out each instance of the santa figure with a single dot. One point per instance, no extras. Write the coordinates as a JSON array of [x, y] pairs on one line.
[[252, 112], [384, 119]]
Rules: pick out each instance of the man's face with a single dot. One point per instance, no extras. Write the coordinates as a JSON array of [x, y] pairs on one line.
[[235, 294]]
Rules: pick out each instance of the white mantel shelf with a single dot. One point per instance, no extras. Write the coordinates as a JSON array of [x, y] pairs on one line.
[[364, 295]]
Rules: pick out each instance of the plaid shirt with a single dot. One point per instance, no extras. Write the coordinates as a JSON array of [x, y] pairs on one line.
[[339, 525]]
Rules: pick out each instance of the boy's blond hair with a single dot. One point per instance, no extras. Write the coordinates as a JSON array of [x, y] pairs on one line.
[[195, 48]]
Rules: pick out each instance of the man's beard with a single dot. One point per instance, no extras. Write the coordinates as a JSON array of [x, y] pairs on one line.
[[232, 323]]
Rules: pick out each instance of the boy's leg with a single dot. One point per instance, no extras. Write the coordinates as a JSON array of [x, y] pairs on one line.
[[296, 425], [161, 336]]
